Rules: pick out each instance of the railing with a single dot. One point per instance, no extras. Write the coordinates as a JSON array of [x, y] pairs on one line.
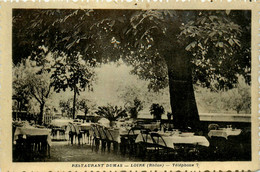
[[225, 117], [47, 119], [218, 117]]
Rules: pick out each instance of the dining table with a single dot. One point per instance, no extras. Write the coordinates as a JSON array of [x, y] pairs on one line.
[[59, 128], [152, 126], [120, 137], [85, 129], [115, 134], [26, 131], [173, 139], [85, 126], [61, 122], [58, 133], [30, 142], [224, 132]]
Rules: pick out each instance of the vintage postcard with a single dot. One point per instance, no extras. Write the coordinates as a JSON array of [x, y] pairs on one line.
[[129, 85]]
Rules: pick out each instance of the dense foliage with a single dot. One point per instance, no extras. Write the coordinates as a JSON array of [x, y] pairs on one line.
[[174, 48], [30, 82], [215, 39]]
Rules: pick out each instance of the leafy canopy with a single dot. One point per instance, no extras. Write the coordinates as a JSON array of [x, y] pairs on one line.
[[72, 72], [218, 41]]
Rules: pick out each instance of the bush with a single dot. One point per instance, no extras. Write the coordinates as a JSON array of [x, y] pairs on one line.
[[111, 112], [157, 110], [135, 107]]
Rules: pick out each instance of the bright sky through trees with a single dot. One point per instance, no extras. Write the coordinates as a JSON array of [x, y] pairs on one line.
[[113, 79]]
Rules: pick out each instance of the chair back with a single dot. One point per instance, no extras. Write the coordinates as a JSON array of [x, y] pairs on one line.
[[146, 136], [109, 134], [158, 139], [73, 128], [133, 133], [102, 132], [135, 130], [213, 127], [95, 131]]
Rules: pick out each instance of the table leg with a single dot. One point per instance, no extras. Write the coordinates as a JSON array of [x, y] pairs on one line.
[[58, 134], [49, 150]]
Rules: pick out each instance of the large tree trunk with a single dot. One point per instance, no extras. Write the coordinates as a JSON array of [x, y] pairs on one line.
[[40, 121], [74, 102], [182, 98]]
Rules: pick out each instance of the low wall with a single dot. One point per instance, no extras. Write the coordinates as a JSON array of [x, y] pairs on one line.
[[225, 117], [241, 121], [216, 117]]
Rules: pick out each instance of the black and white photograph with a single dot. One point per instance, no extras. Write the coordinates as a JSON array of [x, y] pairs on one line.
[[131, 85]]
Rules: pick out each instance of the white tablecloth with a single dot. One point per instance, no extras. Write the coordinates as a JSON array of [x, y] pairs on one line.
[[224, 132], [116, 134], [175, 139], [61, 122], [84, 126], [31, 131], [151, 126]]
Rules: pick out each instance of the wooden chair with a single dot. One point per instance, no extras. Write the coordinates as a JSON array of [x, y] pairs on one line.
[[110, 140], [54, 133], [147, 148], [217, 147], [131, 137], [36, 147], [213, 127], [96, 138], [123, 144], [103, 137], [20, 149], [107, 138], [41, 146], [85, 136], [74, 132], [186, 152], [163, 151], [235, 147]]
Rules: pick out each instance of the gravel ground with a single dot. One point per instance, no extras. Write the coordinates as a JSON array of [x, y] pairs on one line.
[[64, 152]]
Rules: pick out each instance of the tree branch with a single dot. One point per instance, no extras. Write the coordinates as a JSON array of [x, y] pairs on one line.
[[48, 92], [32, 93]]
